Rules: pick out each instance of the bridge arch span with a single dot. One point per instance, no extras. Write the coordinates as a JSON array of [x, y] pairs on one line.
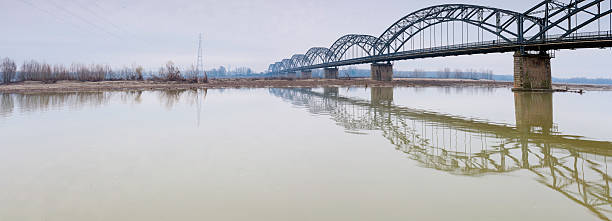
[[272, 68], [285, 64], [317, 55], [500, 22], [276, 67], [367, 43], [297, 60]]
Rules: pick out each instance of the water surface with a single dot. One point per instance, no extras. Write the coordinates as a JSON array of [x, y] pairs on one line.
[[306, 154]]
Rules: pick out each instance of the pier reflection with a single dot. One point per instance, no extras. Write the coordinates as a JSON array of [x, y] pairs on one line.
[[534, 112], [574, 166]]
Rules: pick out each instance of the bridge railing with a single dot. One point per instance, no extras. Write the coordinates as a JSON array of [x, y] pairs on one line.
[[582, 35], [513, 41]]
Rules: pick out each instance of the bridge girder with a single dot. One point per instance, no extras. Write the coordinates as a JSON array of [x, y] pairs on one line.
[[557, 14]]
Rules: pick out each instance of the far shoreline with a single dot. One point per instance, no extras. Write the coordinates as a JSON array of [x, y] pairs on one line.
[[79, 86]]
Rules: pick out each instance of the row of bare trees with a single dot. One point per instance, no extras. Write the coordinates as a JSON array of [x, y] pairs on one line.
[[457, 74], [39, 71]]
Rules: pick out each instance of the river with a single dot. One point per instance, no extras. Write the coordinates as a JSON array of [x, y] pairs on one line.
[[430, 153]]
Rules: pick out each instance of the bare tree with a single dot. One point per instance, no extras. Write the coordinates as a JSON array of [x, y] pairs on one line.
[[205, 79], [170, 72], [459, 74], [61, 73], [91, 73], [8, 69], [418, 73], [139, 71], [446, 73], [46, 73], [191, 74], [490, 74], [30, 71], [125, 73]]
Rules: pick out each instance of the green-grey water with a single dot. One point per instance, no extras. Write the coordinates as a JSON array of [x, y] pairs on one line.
[[306, 154]]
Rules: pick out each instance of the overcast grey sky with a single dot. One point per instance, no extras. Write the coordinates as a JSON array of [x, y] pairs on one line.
[[250, 33]]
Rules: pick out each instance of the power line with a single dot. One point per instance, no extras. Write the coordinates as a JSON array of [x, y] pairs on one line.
[[77, 3], [55, 16], [95, 3], [83, 19]]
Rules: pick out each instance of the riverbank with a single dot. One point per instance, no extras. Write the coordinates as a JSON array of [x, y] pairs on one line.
[[76, 86]]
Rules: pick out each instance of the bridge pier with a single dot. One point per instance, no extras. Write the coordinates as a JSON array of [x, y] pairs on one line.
[[292, 75], [330, 73], [307, 74], [382, 71], [532, 72]]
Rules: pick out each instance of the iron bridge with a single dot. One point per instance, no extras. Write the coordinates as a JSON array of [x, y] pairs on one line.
[[463, 29]]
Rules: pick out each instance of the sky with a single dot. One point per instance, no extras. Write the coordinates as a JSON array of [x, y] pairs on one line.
[[253, 33]]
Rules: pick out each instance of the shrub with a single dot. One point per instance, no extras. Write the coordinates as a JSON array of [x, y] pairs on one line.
[[170, 72]]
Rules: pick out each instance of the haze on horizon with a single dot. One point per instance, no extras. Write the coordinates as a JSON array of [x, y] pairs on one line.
[[251, 33]]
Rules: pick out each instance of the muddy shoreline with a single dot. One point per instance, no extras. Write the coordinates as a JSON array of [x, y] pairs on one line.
[[76, 86]]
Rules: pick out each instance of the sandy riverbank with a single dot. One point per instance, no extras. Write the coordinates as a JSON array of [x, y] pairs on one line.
[[72, 86]]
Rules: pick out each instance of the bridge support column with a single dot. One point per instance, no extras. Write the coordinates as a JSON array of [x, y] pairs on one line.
[[382, 72], [306, 74], [292, 75], [330, 73], [532, 72]]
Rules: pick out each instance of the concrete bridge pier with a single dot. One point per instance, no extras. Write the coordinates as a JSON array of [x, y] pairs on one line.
[[292, 75], [532, 72], [307, 74], [330, 73], [382, 71]]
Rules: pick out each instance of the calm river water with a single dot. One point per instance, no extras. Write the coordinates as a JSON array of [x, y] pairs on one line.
[[306, 154]]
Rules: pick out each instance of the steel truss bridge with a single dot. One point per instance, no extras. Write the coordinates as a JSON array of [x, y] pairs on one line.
[[571, 165], [461, 29]]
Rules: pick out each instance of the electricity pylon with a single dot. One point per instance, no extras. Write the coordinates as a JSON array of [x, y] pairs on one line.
[[200, 62]]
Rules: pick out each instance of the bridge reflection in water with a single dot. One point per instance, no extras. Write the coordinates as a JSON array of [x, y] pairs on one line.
[[574, 166]]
